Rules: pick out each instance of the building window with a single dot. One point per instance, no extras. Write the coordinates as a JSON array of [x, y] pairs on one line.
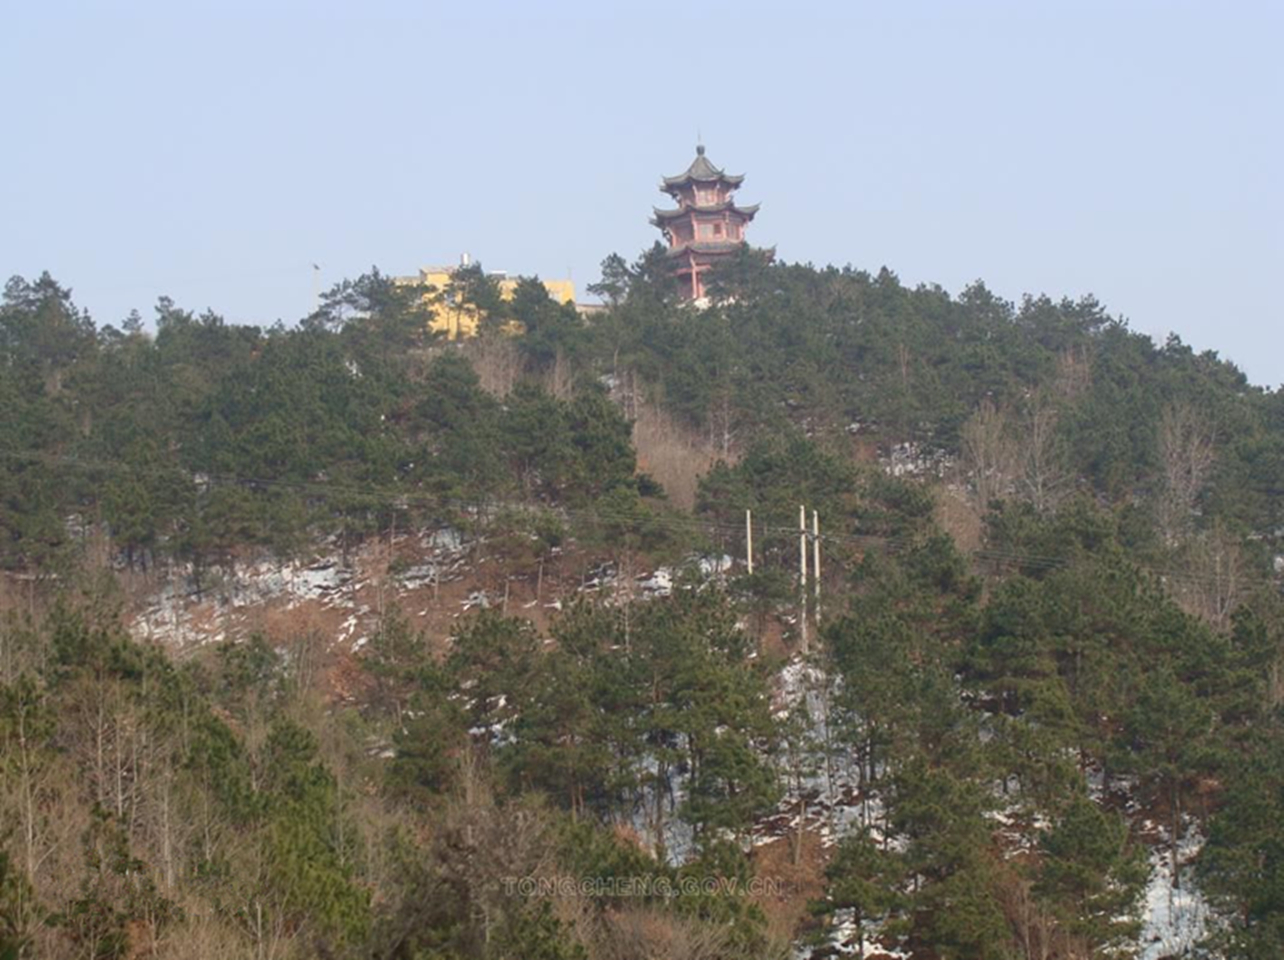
[[717, 230]]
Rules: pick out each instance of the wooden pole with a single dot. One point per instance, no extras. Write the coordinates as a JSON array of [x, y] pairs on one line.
[[749, 540], [815, 566], [802, 575]]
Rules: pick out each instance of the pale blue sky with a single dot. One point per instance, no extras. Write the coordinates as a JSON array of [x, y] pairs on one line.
[[213, 151]]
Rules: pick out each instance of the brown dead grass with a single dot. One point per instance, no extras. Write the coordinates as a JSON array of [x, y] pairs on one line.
[[795, 883], [674, 455], [17, 595], [497, 361], [959, 516]]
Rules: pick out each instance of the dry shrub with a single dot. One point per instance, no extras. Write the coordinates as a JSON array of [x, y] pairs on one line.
[[199, 936], [138, 586], [674, 455], [1209, 577], [990, 455], [960, 517], [559, 379], [638, 933], [17, 596], [1187, 453], [795, 869], [1037, 933], [1074, 372], [497, 360]]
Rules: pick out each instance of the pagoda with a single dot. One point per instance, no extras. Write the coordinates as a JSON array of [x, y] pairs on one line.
[[707, 226]]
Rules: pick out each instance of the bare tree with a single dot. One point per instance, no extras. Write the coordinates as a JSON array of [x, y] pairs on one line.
[[1186, 455], [1074, 372], [497, 360], [1210, 581], [560, 379], [627, 393], [21, 651], [25, 758], [988, 453], [1042, 474], [639, 933], [673, 454], [722, 422], [1037, 933], [1275, 683]]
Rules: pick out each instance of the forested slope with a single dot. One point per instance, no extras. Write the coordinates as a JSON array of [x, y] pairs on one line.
[[1048, 670]]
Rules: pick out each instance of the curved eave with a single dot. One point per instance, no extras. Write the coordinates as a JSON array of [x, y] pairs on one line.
[[684, 179], [708, 248], [664, 216]]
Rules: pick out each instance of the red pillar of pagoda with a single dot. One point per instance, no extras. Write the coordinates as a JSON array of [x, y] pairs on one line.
[[707, 226]]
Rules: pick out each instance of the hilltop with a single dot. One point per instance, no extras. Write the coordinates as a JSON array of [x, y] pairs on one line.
[[344, 639]]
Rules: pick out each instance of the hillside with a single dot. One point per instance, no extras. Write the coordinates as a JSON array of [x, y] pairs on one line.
[[342, 640]]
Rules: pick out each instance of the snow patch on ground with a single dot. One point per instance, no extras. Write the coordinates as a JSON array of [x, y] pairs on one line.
[[658, 584], [190, 610], [677, 835], [915, 460], [823, 787], [844, 941], [1175, 915], [826, 799]]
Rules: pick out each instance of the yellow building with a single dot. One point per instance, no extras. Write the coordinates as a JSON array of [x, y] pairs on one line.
[[456, 319]]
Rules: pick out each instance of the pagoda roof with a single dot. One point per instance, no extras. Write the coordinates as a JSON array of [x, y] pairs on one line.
[[702, 171], [708, 246], [663, 216]]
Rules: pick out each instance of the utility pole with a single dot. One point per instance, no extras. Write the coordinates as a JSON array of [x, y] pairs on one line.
[[802, 575], [749, 540], [815, 566]]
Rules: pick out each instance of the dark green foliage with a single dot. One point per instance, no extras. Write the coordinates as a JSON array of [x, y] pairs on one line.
[[956, 904], [1092, 873], [620, 706], [429, 744], [832, 350], [975, 695], [576, 451], [775, 476], [1242, 866], [345, 402], [210, 438], [16, 908], [473, 289], [310, 873], [547, 326], [537, 934], [863, 878], [457, 427], [117, 896]]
